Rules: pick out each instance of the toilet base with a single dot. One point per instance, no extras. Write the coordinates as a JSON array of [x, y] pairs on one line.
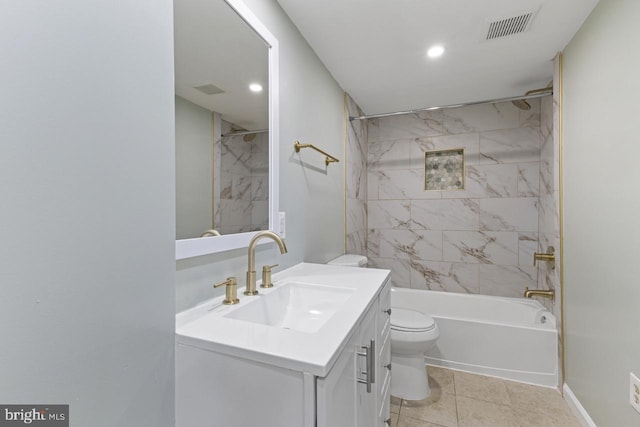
[[409, 378]]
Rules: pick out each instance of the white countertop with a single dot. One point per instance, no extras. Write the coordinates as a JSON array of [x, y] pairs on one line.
[[205, 326]]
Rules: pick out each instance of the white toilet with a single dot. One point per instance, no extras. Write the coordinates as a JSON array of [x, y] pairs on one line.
[[412, 333]]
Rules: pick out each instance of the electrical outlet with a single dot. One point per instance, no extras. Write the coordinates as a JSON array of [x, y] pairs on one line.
[[634, 392], [283, 224]]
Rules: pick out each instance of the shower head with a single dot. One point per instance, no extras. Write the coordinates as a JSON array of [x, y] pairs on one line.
[[521, 104], [524, 105], [249, 135]]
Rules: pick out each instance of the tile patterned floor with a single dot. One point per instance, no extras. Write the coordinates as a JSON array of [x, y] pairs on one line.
[[459, 399]]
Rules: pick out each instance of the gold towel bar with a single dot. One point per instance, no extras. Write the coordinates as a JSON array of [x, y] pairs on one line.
[[328, 159]]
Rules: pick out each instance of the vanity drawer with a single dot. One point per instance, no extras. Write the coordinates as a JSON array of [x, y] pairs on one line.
[[384, 417], [384, 311], [384, 363]]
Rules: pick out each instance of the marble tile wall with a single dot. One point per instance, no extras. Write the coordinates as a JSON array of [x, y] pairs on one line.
[[549, 207], [548, 210], [356, 181], [477, 240], [241, 182]]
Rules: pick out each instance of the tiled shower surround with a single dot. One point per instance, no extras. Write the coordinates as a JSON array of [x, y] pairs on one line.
[[478, 240], [356, 187], [549, 214], [549, 210]]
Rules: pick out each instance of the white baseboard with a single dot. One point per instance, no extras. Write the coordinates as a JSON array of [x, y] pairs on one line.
[[577, 408]]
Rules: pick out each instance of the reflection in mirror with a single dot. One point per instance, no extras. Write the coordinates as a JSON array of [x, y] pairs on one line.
[[212, 232], [222, 170], [241, 181]]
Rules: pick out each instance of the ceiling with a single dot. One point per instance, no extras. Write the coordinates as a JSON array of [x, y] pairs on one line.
[[376, 49], [214, 46]]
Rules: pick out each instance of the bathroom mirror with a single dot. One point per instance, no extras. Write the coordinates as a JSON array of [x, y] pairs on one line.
[[226, 132]]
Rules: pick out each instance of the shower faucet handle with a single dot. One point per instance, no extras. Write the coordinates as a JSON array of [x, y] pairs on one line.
[[549, 256]]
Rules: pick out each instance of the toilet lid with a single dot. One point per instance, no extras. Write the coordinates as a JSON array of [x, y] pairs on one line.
[[349, 260], [403, 319]]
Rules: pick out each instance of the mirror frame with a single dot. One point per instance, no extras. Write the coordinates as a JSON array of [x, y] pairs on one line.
[[188, 248]]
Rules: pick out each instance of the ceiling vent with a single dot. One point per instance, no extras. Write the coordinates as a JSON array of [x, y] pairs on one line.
[[209, 89], [509, 26]]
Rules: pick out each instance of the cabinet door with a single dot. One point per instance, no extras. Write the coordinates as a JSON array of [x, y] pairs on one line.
[[367, 402], [384, 354], [384, 311], [336, 393]]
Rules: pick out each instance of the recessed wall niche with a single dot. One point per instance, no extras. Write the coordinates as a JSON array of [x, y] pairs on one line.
[[444, 169]]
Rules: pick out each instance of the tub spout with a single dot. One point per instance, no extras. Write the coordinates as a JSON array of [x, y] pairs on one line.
[[528, 293]]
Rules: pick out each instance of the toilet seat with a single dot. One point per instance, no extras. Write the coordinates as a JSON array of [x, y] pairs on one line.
[[406, 320]]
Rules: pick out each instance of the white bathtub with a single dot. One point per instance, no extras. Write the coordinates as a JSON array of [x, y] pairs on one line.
[[510, 338]]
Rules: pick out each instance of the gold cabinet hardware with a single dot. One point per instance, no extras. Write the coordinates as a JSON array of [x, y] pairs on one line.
[[266, 276], [231, 294], [328, 157], [549, 256], [528, 293], [210, 233]]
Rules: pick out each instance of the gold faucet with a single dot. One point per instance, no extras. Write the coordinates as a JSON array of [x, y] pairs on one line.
[[251, 269], [549, 257], [528, 293]]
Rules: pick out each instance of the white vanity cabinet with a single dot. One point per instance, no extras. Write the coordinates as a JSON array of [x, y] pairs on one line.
[[221, 385], [356, 390], [338, 394]]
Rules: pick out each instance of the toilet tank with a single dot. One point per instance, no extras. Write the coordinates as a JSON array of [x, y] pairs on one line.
[[349, 260]]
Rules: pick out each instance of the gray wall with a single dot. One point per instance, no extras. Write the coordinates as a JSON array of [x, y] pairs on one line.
[[87, 217], [601, 205], [312, 195]]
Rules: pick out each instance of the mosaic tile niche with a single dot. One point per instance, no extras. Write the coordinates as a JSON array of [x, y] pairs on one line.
[[444, 170]]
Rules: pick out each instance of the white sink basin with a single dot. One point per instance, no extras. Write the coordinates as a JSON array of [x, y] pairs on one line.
[[300, 324], [297, 306]]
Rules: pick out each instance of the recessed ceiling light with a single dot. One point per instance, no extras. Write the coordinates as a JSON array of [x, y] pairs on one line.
[[255, 87], [435, 51]]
